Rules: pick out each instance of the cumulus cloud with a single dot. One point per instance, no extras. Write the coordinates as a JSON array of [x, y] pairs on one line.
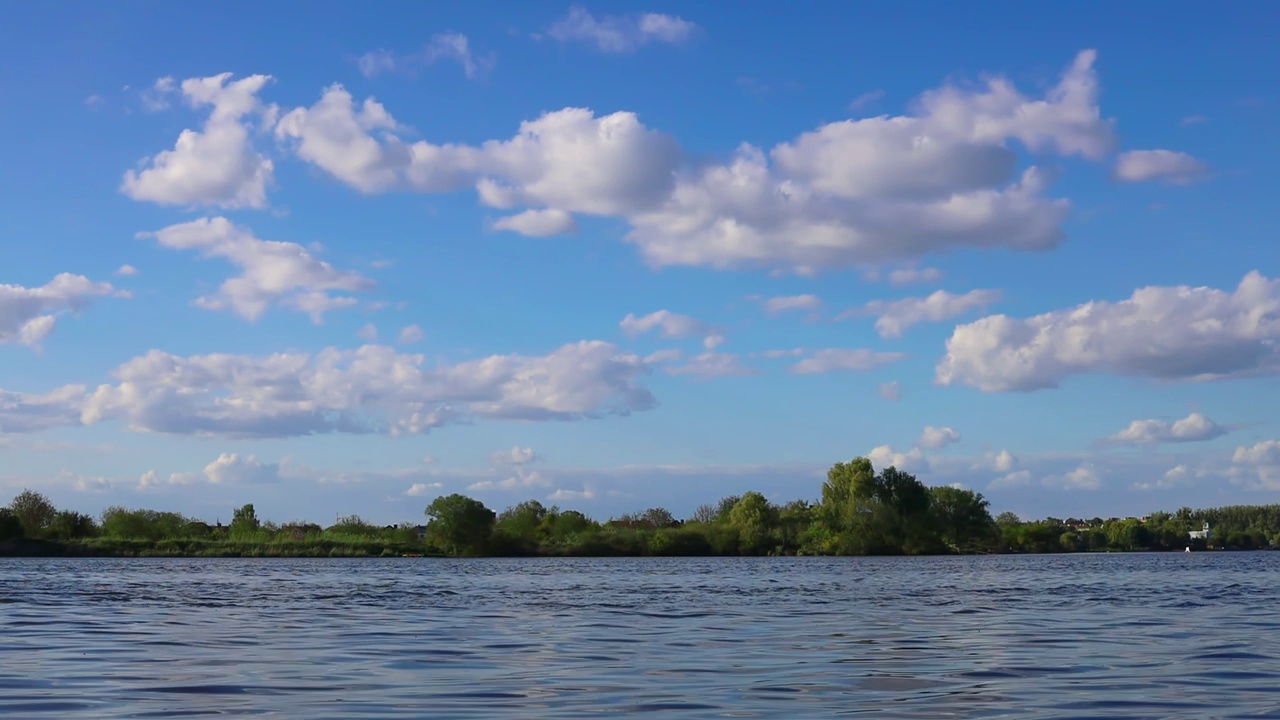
[[790, 303], [890, 390], [1014, 479], [1004, 461], [422, 489], [895, 316], [152, 479], [216, 165], [1192, 428], [234, 469], [709, 365], [1084, 477], [843, 360], [538, 223], [1164, 165], [884, 456], [1258, 465], [410, 334], [856, 192], [515, 456], [621, 33], [28, 315], [126, 271], [1165, 333], [521, 479], [937, 437], [272, 272], [671, 325], [587, 492], [1173, 477], [370, 389]]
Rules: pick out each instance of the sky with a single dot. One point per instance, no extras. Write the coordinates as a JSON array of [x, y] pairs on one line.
[[616, 255]]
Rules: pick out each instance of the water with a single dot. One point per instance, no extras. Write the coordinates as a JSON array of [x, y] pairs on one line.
[[1083, 636]]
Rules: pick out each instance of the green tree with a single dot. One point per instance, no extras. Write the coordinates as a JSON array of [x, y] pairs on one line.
[[520, 526], [459, 524], [961, 517], [10, 525], [244, 521], [34, 511], [71, 525], [754, 519]]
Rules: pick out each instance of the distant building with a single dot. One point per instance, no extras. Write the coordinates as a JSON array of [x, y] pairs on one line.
[[1201, 534]]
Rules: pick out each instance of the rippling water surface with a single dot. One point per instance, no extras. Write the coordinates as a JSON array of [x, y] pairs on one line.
[[1082, 636]]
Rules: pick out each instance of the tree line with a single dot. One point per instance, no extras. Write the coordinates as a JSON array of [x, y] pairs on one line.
[[859, 512]]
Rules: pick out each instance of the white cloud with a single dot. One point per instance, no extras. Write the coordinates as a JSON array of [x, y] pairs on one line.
[[1004, 461], [376, 62], [870, 97], [843, 360], [370, 389], [850, 193], [1173, 477], [621, 33], [515, 456], [895, 316], [422, 489], [671, 325], [914, 276], [127, 271], [156, 98], [1085, 477], [1193, 120], [1192, 428], [891, 390], [368, 332], [281, 273], [451, 46], [789, 303], [937, 437], [883, 456], [216, 165], [456, 47], [1166, 333], [28, 315], [87, 483], [233, 469], [1259, 463], [152, 479], [1013, 479], [886, 188], [1166, 165], [24, 413], [410, 334], [562, 494], [522, 479], [539, 223], [709, 365]]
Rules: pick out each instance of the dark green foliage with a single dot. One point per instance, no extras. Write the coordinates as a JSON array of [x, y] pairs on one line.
[[10, 525], [34, 512], [459, 525], [860, 512]]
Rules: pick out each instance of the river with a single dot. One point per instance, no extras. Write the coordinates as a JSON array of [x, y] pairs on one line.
[[1063, 636]]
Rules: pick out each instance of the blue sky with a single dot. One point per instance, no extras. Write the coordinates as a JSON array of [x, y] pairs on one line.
[[617, 255]]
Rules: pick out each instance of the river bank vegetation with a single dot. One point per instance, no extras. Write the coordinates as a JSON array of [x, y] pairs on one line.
[[860, 512]]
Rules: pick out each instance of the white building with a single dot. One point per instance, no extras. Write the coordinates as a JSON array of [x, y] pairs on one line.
[[1202, 534]]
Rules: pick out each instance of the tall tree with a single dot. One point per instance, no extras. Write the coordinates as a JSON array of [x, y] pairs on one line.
[[34, 511], [961, 517], [460, 524]]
